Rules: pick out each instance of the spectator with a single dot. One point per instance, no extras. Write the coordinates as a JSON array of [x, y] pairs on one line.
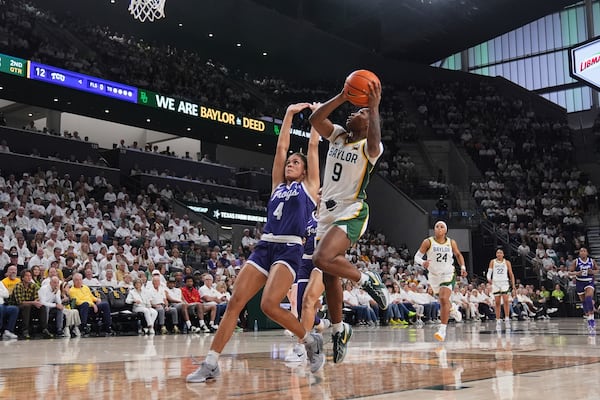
[[26, 298], [142, 303], [211, 297], [192, 297], [84, 300], [158, 300], [50, 297], [8, 313]]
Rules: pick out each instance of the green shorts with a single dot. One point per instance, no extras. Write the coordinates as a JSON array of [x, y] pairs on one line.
[[352, 219]]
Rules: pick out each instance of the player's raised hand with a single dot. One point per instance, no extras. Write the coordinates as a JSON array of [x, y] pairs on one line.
[[374, 94], [297, 107]]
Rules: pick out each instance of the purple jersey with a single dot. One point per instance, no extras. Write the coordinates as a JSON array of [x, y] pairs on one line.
[[586, 267], [311, 235], [287, 212]]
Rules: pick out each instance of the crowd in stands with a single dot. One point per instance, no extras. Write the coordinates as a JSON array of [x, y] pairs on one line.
[[531, 190], [97, 51], [54, 227]]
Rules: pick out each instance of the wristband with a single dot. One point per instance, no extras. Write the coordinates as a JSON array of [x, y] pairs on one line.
[[419, 258]]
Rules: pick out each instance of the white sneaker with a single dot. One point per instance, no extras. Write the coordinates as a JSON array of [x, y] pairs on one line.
[[76, 331], [205, 328], [296, 355], [507, 324], [204, 373], [440, 335], [498, 325], [195, 329], [552, 310], [314, 353], [67, 332], [151, 331], [8, 335]]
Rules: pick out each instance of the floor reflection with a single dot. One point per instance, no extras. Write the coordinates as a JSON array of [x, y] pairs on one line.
[[375, 367]]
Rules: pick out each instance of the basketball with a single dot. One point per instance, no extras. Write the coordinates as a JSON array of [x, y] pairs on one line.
[[356, 87]]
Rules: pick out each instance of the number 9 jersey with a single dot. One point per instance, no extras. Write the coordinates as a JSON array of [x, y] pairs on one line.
[[347, 168]]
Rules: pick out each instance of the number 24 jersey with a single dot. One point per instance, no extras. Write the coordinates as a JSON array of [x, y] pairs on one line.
[[440, 256]]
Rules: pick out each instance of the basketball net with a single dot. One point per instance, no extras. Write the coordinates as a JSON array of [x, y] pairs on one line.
[[147, 10]]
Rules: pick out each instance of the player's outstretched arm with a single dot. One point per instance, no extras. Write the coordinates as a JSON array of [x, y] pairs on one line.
[[283, 144], [313, 178]]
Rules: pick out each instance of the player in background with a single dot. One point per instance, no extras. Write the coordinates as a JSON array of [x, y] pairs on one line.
[[583, 269], [440, 251], [498, 274]]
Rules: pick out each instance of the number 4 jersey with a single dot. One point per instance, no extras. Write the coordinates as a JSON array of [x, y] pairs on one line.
[[289, 209], [440, 257], [347, 168]]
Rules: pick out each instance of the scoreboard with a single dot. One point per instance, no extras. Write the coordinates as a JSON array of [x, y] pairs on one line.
[[101, 87]]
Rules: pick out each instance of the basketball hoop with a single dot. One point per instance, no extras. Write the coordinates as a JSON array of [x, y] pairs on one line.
[[147, 10]]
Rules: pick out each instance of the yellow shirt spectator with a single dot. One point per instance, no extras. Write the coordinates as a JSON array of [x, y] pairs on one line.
[[82, 295], [10, 283]]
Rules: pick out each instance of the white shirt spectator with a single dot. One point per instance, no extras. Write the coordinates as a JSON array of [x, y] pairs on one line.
[[37, 224], [175, 294], [112, 282], [208, 291], [156, 296], [48, 297], [37, 260], [92, 282], [122, 232]]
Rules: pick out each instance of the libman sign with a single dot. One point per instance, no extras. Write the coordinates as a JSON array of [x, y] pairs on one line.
[[584, 62]]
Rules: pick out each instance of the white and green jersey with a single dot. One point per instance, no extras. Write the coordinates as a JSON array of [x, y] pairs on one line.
[[440, 257], [347, 168], [499, 271]]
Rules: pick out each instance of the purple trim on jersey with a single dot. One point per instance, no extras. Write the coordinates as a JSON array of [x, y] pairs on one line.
[[266, 254]]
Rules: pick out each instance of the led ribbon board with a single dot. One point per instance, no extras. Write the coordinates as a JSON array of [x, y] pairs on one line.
[[101, 87]]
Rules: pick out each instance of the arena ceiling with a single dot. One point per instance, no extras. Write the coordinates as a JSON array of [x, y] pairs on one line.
[[295, 32]]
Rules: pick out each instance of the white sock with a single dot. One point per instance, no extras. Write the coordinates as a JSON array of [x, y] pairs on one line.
[[339, 327], [188, 324], [212, 358], [506, 319], [308, 339], [324, 324]]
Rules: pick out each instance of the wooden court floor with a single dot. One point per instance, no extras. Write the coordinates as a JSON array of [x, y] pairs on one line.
[[537, 360]]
